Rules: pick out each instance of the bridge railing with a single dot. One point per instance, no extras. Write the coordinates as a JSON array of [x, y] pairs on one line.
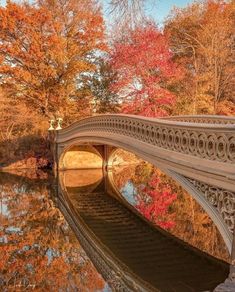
[[208, 119], [210, 141]]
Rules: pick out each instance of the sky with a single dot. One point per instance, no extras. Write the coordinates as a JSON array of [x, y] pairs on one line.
[[157, 9]]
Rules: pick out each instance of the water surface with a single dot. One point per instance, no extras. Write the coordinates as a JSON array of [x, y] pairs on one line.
[[110, 243], [38, 250]]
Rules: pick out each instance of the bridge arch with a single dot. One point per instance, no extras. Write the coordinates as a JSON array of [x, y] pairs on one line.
[[108, 151], [200, 156]]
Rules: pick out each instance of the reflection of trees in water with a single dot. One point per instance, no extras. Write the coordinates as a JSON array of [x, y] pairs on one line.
[[154, 200], [196, 227], [37, 246], [155, 197]]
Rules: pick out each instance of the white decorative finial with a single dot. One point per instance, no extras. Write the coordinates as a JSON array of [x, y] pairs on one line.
[[59, 123], [51, 128]]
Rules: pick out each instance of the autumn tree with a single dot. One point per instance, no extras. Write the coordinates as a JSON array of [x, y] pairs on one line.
[[16, 118], [98, 84], [201, 37], [44, 48], [146, 72], [154, 200], [164, 202]]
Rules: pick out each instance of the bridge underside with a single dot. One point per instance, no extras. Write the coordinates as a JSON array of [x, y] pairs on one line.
[[87, 156]]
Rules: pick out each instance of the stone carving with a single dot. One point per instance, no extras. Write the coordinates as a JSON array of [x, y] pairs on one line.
[[222, 200], [213, 142]]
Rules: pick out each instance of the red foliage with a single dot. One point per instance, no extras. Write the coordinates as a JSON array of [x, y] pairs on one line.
[[154, 201], [145, 68]]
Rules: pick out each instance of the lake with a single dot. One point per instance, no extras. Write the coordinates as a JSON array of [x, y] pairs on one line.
[[128, 229]]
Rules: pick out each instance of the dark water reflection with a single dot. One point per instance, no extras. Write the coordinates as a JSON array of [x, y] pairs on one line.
[[39, 250]]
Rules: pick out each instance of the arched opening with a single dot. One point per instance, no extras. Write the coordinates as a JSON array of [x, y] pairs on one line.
[[78, 178], [81, 157]]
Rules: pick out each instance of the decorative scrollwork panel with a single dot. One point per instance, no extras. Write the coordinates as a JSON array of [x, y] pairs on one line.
[[221, 199]]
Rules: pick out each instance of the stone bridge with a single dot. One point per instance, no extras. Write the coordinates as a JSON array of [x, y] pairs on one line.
[[198, 152]]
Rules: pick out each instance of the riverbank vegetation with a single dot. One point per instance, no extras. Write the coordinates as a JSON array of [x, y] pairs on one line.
[[58, 59]]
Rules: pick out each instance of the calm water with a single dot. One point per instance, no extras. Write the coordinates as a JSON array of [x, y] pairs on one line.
[[87, 232]]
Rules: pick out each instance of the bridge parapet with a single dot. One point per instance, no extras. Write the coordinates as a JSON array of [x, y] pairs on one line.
[[208, 119], [208, 141]]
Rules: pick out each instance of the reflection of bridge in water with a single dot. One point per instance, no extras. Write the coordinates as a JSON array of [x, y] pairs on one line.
[[130, 253]]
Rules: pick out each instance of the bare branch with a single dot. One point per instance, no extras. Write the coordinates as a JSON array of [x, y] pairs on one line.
[[127, 13]]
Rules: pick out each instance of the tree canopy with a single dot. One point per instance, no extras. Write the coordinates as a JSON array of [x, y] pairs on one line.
[[145, 70], [45, 47]]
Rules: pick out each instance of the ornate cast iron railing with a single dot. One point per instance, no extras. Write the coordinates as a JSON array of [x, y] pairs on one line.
[[202, 119], [222, 200], [214, 141]]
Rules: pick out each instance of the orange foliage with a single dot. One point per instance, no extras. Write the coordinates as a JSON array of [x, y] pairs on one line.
[[201, 38], [44, 48]]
